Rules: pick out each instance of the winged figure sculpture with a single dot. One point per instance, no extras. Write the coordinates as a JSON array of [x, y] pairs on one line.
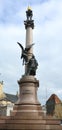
[[24, 53]]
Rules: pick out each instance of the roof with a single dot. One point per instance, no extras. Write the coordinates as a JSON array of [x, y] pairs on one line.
[[54, 98], [9, 97]]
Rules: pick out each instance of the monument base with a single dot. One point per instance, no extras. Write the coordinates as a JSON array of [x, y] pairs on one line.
[[32, 123], [27, 113], [27, 104]]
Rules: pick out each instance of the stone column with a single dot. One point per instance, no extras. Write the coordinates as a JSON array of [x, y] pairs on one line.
[[29, 26], [29, 38]]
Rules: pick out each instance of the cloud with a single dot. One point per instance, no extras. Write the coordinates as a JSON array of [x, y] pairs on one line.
[[49, 43], [10, 63]]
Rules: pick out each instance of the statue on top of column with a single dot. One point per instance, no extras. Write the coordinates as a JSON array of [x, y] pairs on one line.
[[29, 22], [29, 14]]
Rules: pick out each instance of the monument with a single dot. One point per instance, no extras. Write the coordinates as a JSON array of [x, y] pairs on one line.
[[27, 113], [28, 103]]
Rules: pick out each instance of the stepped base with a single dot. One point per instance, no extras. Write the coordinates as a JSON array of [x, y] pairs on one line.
[[27, 113], [37, 123]]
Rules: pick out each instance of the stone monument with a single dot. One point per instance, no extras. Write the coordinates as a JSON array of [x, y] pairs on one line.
[[27, 113], [28, 103]]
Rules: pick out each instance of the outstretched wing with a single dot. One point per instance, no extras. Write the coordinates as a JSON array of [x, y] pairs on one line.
[[20, 46], [28, 47]]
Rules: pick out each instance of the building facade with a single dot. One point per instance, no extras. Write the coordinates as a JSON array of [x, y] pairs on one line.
[[6, 102], [54, 106]]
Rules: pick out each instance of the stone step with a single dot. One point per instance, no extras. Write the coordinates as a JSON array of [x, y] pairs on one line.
[[28, 124], [27, 107], [27, 113], [30, 127], [32, 121]]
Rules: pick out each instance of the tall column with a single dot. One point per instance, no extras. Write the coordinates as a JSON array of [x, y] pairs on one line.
[[29, 26], [29, 38]]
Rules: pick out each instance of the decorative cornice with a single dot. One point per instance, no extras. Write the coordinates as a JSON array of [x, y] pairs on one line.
[[29, 23]]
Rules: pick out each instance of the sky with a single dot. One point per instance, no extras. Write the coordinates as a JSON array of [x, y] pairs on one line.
[[47, 36]]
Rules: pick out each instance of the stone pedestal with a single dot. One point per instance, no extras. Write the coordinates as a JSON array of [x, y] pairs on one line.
[[27, 113], [28, 86], [27, 104]]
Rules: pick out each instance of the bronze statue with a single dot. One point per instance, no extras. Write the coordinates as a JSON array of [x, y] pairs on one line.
[[32, 66], [24, 54], [31, 63], [29, 14]]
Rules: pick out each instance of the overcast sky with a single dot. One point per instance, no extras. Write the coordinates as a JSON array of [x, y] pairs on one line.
[[47, 36]]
